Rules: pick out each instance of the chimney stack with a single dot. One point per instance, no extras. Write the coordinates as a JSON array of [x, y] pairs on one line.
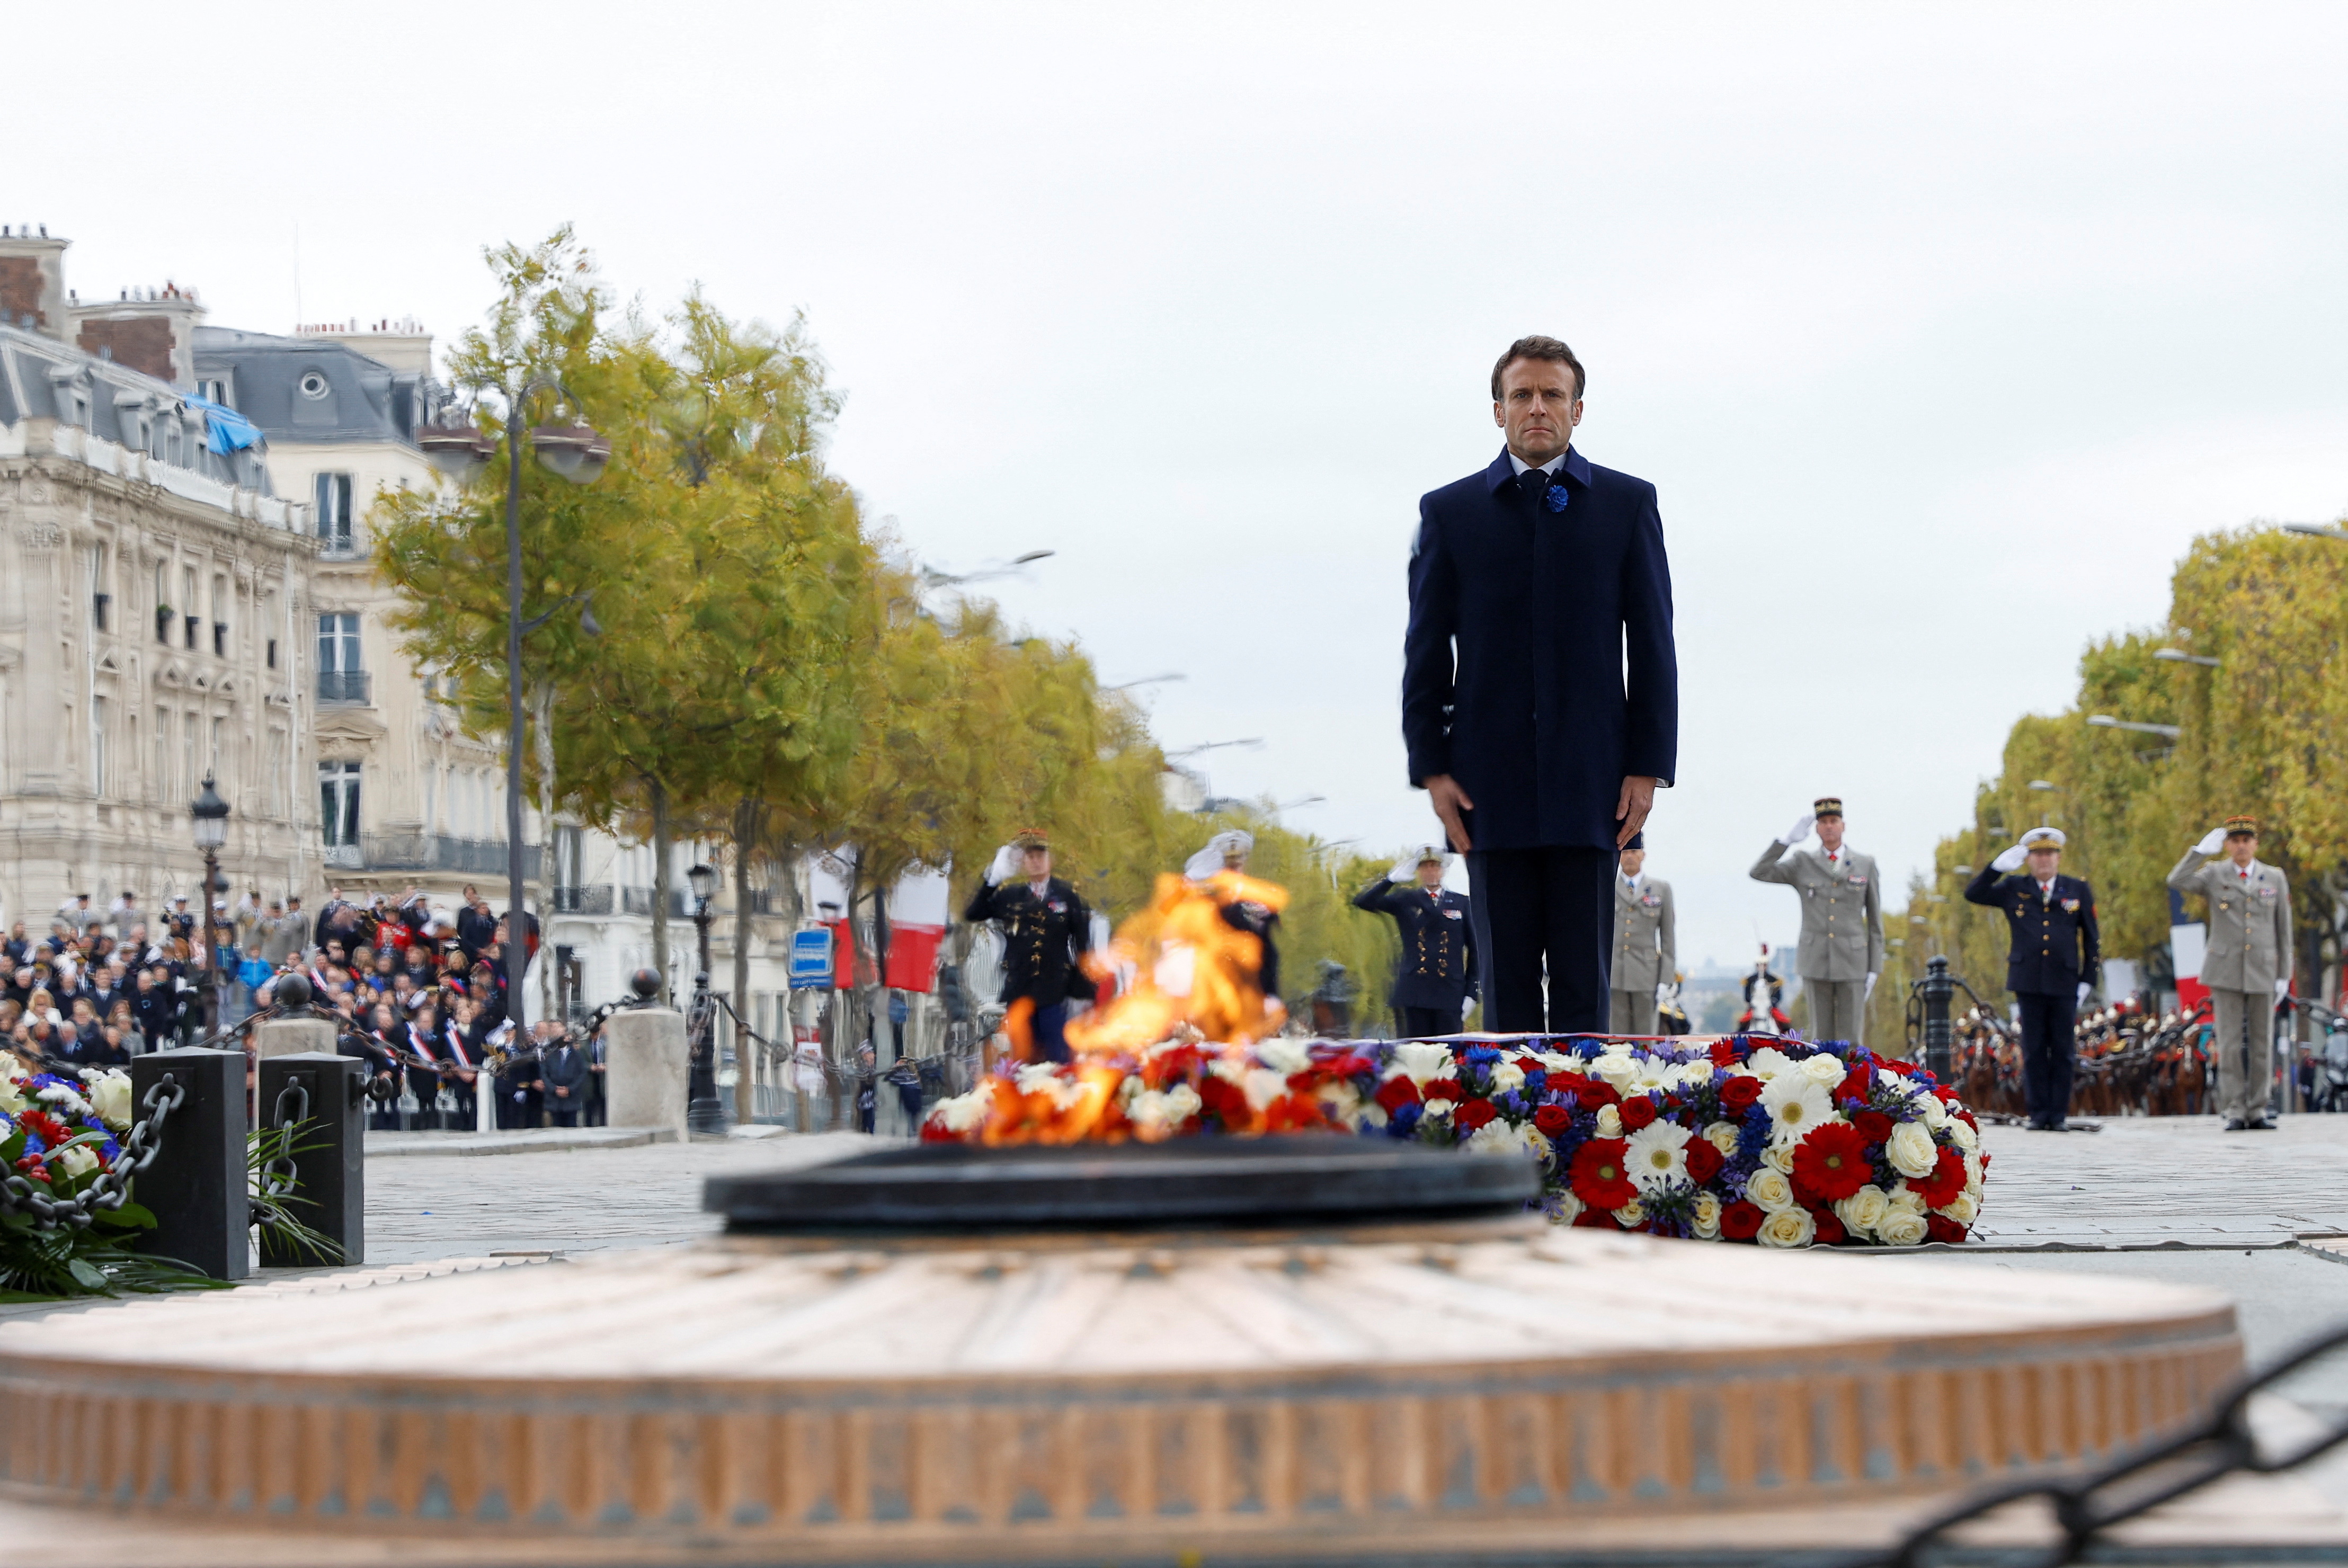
[[33, 280], [149, 330]]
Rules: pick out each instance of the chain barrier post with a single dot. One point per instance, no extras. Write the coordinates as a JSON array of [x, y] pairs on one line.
[[195, 1188], [1940, 1036], [327, 1172]]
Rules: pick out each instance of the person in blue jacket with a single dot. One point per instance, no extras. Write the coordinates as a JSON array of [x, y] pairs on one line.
[[2053, 955], [1437, 973]]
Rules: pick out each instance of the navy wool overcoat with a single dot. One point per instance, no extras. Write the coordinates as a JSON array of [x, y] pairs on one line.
[[1538, 669]]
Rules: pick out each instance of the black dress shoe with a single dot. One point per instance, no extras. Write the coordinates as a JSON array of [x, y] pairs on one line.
[[2260, 1124], [2058, 1127], [2235, 1124]]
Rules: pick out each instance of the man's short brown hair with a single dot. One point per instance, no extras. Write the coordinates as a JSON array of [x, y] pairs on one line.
[[1539, 347]]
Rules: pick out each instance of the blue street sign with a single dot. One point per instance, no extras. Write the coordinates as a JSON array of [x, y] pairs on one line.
[[810, 960]]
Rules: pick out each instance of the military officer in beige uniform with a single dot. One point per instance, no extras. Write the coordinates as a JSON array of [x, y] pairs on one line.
[[1842, 920], [2248, 964], [1644, 961]]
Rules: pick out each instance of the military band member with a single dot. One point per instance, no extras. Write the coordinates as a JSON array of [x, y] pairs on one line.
[[1437, 974], [1047, 930], [1646, 963], [2249, 963], [1228, 851], [2053, 949], [1842, 920]]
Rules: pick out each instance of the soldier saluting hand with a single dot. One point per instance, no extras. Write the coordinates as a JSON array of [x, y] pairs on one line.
[[2053, 952], [2247, 968]]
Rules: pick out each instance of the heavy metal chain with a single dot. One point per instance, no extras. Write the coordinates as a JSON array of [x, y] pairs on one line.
[[111, 1190], [280, 1176]]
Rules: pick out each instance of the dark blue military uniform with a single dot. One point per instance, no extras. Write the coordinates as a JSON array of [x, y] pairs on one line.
[[1437, 971], [2053, 945], [1043, 940]]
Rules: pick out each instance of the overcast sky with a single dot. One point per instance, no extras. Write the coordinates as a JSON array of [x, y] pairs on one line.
[[1940, 329]]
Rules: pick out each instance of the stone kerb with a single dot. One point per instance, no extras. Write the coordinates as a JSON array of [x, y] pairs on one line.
[[647, 1069], [292, 1036]]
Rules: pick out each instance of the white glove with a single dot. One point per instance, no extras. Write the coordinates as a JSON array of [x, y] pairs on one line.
[[1663, 993], [2282, 989], [2084, 990], [1870, 992], [2009, 859], [2211, 842], [1004, 867], [1799, 830]]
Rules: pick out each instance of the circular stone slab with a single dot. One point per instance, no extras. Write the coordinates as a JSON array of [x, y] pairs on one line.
[[1185, 1181]]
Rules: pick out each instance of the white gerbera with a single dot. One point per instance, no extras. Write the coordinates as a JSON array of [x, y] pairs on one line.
[[1283, 1055], [1657, 1155], [1422, 1063], [1767, 1063], [1653, 1073], [1797, 1102], [1500, 1136]]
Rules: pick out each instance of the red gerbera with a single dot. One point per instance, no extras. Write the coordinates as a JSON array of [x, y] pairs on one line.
[[1552, 1120], [1724, 1053], [45, 1126], [1637, 1112], [1445, 1089], [1946, 1181], [1472, 1114], [1830, 1227], [1704, 1161], [1741, 1221], [1739, 1094], [1831, 1161], [1599, 1176], [1873, 1125], [1395, 1093]]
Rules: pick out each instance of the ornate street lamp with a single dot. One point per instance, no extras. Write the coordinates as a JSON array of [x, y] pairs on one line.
[[706, 1113], [211, 815], [462, 452]]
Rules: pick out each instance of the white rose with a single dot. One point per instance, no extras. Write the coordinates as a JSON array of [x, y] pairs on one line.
[[1037, 1078], [1823, 1069], [12, 1099], [1778, 1157], [1900, 1228], [1973, 1174], [1423, 1063], [78, 1161], [1563, 1207], [1182, 1103], [1963, 1134], [1767, 1063], [1262, 1087], [1706, 1217], [1507, 1075], [963, 1111], [1935, 1114], [1500, 1136], [1772, 1190], [1435, 1110], [1910, 1149], [1368, 1113], [1962, 1208], [1283, 1055], [1609, 1122], [1722, 1135], [1620, 1071], [1863, 1209], [1630, 1215], [1788, 1228], [1903, 1196]]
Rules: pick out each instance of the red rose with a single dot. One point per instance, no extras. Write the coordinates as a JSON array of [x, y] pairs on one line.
[[1946, 1181], [1873, 1125], [1831, 1161], [1445, 1089], [1941, 1228], [1723, 1053], [1704, 1161], [1567, 1083], [1741, 1221], [1599, 1177], [1223, 1099], [1739, 1094], [1829, 1226], [1552, 1120], [1596, 1217], [1854, 1086], [1637, 1112], [1395, 1093], [1472, 1114], [1595, 1095]]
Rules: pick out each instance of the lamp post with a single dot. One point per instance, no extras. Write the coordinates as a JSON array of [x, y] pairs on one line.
[[211, 814], [578, 454], [706, 1112]]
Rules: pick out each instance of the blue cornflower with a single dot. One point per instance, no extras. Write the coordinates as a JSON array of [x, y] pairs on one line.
[[1556, 497]]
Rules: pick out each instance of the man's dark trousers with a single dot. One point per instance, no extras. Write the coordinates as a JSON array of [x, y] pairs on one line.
[[1425, 1022], [2049, 1039], [1544, 913]]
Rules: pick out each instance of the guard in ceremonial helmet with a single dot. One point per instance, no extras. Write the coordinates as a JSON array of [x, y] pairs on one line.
[[1437, 974], [2247, 965], [1046, 931], [1842, 919], [2054, 950]]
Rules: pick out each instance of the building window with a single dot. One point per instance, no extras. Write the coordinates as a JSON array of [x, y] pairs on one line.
[[97, 781], [272, 653], [339, 803], [312, 384], [342, 674], [334, 497]]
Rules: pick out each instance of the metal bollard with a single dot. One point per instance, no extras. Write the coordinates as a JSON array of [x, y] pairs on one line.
[[195, 1188], [1940, 1038], [330, 1172]]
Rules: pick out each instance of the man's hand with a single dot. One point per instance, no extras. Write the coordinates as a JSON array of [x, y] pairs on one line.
[[1799, 830], [1631, 809], [2009, 859], [2211, 842], [1443, 792]]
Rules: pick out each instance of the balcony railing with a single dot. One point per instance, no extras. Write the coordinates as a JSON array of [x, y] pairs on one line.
[[639, 901], [438, 852], [343, 685], [583, 899]]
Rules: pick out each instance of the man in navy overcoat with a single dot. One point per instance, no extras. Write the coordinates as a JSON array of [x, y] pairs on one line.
[[1541, 691]]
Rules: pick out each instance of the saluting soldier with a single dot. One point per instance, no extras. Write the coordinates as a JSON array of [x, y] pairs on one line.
[[1046, 929], [1644, 958], [1842, 919], [2054, 950], [2249, 963], [1437, 974]]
